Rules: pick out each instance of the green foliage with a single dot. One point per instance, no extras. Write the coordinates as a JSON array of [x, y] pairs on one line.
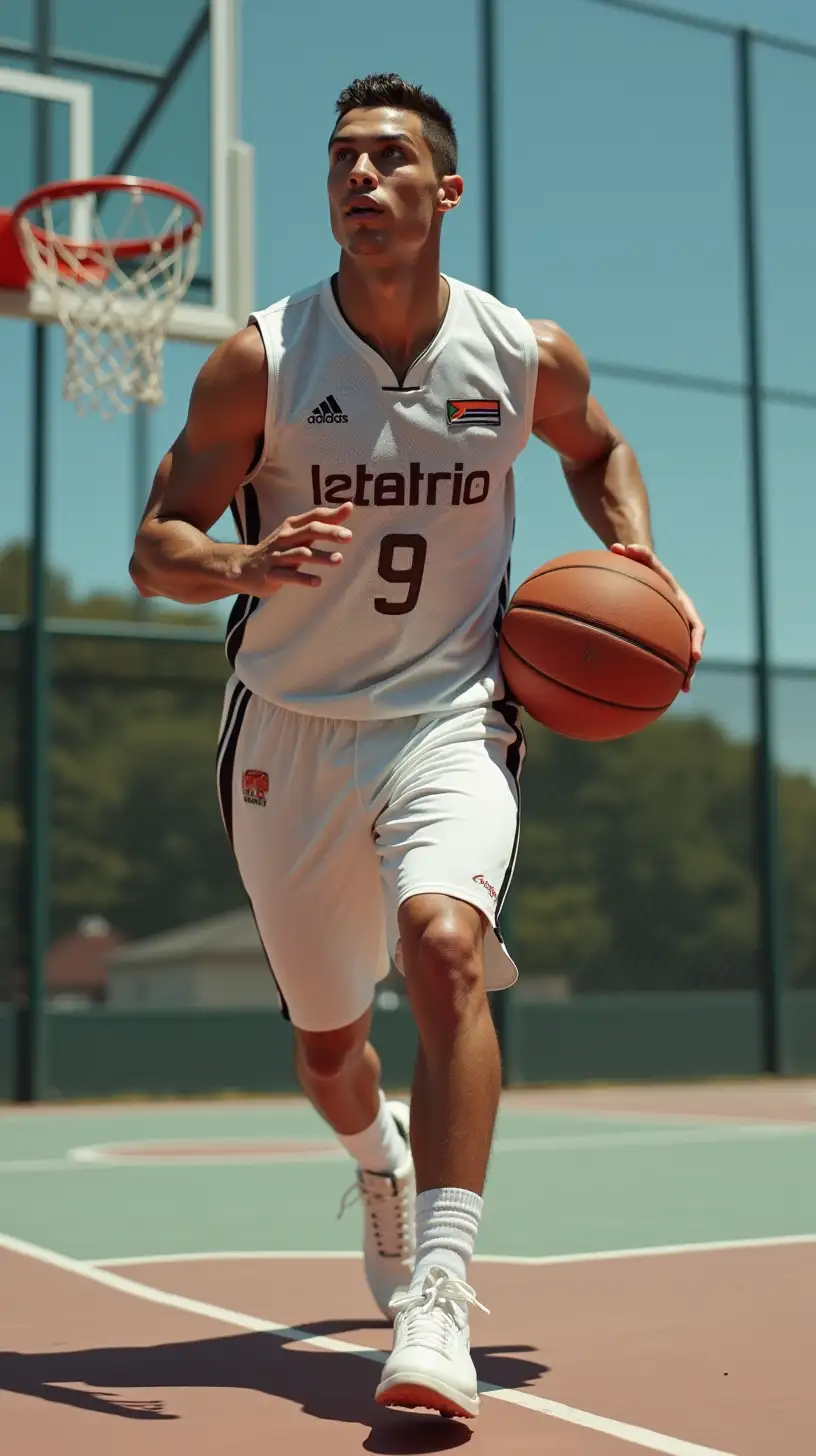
[[137, 831], [637, 868], [62, 601]]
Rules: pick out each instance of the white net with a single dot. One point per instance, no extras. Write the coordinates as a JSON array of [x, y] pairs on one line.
[[113, 283]]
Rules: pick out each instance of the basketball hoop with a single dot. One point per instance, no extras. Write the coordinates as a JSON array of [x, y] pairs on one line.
[[112, 282]]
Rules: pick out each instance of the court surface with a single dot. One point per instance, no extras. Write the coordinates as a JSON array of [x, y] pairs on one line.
[[175, 1278]]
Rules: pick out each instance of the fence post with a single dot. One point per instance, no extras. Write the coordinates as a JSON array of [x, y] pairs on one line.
[[771, 946], [488, 29], [31, 1074], [140, 484]]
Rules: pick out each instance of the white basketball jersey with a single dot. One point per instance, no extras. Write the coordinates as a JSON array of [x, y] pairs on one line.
[[408, 623]]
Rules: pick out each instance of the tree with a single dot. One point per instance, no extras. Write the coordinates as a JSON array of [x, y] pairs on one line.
[[637, 868]]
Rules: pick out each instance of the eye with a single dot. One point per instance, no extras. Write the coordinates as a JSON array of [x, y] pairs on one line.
[[342, 154], [393, 150]]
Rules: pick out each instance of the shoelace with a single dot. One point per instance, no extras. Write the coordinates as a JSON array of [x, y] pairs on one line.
[[437, 1311], [385, 1205]]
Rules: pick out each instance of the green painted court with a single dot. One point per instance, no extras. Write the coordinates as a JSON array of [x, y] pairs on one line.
[[561, 1182], [648, 1255]]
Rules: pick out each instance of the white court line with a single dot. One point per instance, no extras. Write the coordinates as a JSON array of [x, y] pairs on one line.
[[248, 1150], [591, 1113], [761, 1132], [36, 1165], [596, 1256], [619, 1430], [109, 1155]]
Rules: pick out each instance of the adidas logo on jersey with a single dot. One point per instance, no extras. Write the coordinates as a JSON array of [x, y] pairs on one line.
[[328, 412]]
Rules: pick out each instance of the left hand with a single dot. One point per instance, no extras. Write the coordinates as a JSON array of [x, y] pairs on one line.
[[645, 555]]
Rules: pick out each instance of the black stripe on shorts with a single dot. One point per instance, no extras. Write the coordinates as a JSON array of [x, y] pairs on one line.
[[227, 751], [512, 717]]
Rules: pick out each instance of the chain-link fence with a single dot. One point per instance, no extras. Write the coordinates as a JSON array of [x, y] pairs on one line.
[[677, 867], [637, 869]]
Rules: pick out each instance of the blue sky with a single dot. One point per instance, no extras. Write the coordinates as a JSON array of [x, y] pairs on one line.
[[620, 208]]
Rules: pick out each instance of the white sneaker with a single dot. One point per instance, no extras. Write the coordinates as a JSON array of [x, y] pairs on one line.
[[389, 1241], [431, 1364]]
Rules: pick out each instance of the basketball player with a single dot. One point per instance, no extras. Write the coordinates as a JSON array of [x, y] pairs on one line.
[[364, 433]]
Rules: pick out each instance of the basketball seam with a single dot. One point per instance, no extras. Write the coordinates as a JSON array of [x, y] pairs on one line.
[[580, 693], [551, 570], [610, 632]]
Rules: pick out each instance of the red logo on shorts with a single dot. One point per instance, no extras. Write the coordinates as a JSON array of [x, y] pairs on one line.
[[480, 880], [255, 784]]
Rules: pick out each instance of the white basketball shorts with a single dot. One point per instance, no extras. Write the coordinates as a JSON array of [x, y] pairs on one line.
[[335, 823]]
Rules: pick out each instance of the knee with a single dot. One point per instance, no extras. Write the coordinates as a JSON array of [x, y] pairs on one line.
[[442, 951], [328, 1055]]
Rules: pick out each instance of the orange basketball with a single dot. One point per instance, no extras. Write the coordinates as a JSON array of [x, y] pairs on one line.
[[595, 645]]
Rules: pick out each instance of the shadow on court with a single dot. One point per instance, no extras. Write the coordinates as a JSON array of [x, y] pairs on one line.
[[327, 1385]]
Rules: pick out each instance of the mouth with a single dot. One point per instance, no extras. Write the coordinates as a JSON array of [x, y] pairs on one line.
[[364, 207]]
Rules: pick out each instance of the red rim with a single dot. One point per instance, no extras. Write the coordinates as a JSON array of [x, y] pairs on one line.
[[133, 247]]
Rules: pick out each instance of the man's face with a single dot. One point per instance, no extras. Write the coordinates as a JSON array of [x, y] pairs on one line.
[[384, 194]]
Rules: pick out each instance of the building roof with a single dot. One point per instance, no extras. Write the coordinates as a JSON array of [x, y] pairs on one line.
[[231, 934], [76, 964]]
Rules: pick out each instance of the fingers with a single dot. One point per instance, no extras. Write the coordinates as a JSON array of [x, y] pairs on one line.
[[698, 632], [633, 550], [697, 635], [646, 556], [334, 515], [296, 554], [306, 538], [290, 535], [269, 572]]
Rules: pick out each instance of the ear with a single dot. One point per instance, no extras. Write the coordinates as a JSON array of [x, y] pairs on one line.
[[449, 193]]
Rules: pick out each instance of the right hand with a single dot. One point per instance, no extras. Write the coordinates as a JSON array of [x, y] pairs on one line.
[[311, 539]]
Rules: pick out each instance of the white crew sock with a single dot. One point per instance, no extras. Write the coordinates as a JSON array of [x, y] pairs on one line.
[[380, 1148], [447, 1222]]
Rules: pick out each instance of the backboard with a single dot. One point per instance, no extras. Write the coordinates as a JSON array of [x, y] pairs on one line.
[[149, 88]]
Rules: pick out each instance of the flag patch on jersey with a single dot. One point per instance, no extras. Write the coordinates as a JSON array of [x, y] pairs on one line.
[[473, 412]]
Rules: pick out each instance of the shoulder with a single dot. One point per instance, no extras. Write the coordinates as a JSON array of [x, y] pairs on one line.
[[563, 372], [487, 303], [292, 305], [229, 395], [500, 322], [235, 363], [290, 321]]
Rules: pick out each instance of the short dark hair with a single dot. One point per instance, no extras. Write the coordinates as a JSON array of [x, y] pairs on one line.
[[389, 89]]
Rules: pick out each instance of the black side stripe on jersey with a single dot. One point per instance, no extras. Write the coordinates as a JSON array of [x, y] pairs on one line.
[[227, 750], [249, 531], [504, 594]]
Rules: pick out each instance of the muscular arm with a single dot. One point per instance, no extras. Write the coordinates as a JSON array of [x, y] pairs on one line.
[[601, 469], [196, 481], [173, 556]]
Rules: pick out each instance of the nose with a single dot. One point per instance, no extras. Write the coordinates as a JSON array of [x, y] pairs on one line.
[[362, 173]]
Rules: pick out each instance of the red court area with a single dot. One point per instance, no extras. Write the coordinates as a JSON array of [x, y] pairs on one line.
[[684, 1354]]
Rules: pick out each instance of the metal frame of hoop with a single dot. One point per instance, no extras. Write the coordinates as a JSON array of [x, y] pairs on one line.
[[85, 187], [115, 334]]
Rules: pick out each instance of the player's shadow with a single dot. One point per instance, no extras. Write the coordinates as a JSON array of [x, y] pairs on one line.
[[327, 1385]]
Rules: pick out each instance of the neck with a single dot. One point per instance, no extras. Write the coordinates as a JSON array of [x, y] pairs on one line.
[[397, 309]]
